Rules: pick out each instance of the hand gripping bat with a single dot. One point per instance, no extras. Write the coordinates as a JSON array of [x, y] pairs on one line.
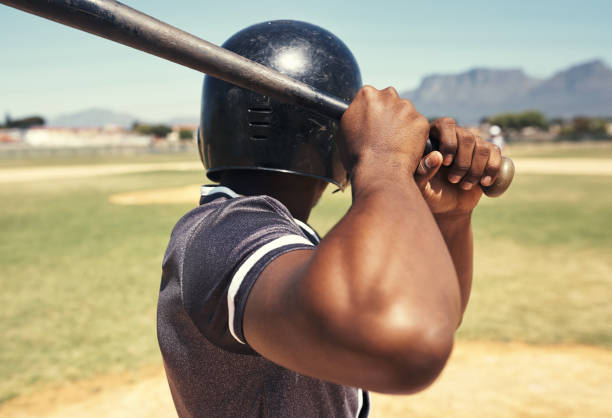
[[120, 23]]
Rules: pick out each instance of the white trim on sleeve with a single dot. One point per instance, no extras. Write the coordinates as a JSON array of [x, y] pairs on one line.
[[308, 229], [359, 402], [248, 265]]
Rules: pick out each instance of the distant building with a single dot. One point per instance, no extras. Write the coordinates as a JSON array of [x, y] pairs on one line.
[[177, 132], [74, 137], [11, 135]]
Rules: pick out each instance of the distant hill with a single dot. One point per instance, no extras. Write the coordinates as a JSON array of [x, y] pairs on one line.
[[96, 117], [187, 120], [583, 89]]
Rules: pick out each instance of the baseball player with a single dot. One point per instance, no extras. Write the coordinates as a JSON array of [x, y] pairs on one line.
[[259, 316], [496, 137]]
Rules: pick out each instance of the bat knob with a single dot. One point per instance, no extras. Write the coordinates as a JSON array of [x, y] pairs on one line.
[[503, 181]]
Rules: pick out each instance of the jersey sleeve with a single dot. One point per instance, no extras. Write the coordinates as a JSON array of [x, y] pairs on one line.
[[225, 251]]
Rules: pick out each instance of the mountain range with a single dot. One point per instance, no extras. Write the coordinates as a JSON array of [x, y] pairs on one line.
[[96, 117], [93, 117], [583, 89]]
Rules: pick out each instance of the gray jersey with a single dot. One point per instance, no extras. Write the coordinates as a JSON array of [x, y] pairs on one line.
[[215, 255]]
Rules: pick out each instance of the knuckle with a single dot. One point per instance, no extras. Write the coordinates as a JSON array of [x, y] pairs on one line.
[[407, 108], [494, 165], [419, 117], [476, 171], [471, 178], [468, 139], [421, 121], [467, 134], [391, 90], [367, 90], [446, 121], [448, 147], [481, 150], [461, 167], [407, 102]]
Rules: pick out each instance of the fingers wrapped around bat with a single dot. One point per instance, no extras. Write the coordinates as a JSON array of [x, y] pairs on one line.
[[428, 167], [493, 166], [466, 141], [443, 132], [470, 159], [480, 158]]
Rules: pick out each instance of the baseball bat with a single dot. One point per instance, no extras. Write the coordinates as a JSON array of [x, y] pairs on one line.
[[117, 22]]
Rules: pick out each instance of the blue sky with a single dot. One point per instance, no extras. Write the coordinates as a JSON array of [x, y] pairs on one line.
[[49, 69]]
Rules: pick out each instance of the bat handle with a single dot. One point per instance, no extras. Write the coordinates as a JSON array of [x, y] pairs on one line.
[[504, 177]]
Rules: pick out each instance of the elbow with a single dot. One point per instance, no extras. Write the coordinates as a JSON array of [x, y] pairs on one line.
[[384, 343], [413, 359], [399, 352]]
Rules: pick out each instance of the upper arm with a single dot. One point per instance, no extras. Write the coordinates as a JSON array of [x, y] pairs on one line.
[[304, 330]]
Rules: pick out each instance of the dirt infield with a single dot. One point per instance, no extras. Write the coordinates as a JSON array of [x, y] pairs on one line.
[[183, 194], [18, 175], [482, 379], [568, 166]]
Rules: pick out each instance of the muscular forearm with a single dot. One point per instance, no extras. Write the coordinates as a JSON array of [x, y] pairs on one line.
[[383, 284], [392, 248], [449, 186], [456, 230]]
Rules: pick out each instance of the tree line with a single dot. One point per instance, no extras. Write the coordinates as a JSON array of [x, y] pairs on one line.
[[160, 130], [576, 128], [22, 123]]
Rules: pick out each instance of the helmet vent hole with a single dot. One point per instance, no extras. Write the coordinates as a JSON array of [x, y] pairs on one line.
[[260, 109], [259, 118]]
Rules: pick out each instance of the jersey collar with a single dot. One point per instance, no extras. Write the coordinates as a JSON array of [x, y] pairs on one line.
[[208, 191]]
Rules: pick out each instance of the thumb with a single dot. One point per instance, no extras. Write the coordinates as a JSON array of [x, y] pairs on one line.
[[428, 167]]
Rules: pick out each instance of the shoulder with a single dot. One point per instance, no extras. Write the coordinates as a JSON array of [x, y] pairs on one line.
[[216, 253], [219, 216]]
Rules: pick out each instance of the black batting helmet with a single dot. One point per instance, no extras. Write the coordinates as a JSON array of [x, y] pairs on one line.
[[242, 130]]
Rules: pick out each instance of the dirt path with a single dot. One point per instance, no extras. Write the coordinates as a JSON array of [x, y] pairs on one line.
[[481, 380], [570, 166], [19, 175], [183, 194]]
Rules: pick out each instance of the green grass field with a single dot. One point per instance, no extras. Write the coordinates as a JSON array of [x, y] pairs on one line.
[[80, 275]]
